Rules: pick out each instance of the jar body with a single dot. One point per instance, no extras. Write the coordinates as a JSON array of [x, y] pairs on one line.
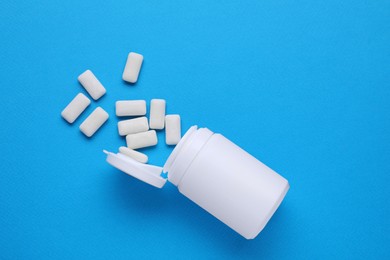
[[233, 186]]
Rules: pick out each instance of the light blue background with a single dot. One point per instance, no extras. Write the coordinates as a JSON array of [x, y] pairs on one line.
[[302, 85]]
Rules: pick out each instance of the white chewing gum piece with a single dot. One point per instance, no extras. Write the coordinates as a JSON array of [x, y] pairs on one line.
[[91, 84], [74, 109], [133, 67], [130, 108], [172, 129], [141, 140], [157, 114], [133, 126], [94, 121], [142, 158]]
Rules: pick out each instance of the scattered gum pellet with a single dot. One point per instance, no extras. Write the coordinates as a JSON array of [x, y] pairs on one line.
[[133, 126], [74, 109], [91, 84], [157, 113], [142, 158], [132, 68], [130, 107], [94, 121], [141, 140], [172, 129]]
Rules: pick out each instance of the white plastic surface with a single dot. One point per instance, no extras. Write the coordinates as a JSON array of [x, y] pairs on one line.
[[172, 129], [91, 84], [140, 157], [130, 107], [190, 150], [141, 140], [74, 109], [94, 121], [233, 186], [157, 114], [133, 126], [133, 67], [144, 172]]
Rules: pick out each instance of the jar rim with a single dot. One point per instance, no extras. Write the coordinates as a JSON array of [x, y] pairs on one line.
[[186, 153], [172, 157]]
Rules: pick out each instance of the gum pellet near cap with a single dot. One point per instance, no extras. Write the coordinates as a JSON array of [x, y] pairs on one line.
[[140, 157]]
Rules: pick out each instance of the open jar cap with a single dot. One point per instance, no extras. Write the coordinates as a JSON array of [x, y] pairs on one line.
[[149, 174]]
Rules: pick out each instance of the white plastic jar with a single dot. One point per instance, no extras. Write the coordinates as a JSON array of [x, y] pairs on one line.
[[219, 176]]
